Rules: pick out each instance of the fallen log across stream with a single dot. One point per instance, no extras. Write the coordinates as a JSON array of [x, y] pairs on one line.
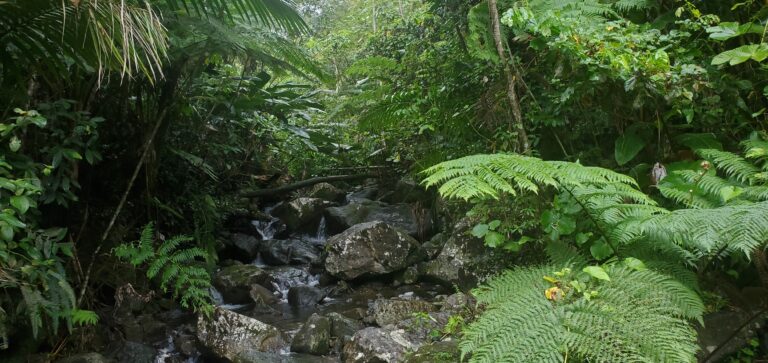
[[259, 193]]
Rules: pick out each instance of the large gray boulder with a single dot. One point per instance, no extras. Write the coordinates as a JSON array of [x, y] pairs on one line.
[[377, 345], [342, 326], [369, 249], [415, 220], [383, 312], [463, 261], [287, 252], [234, 282], [227, 334], [314, 337], [301, 214], [305, 296]]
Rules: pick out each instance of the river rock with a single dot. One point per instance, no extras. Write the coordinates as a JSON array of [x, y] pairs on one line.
[[365, 193], [301, 214], [373, 248], [326, 191], [234, 282], [314, 337], [416, 221], [261, 295], [726, 328], [245, 246], [86, 358], [227, 334], [463, 261], [132, 352], [305, 296], [287, 252], [376, 345], [342, 326], [383, 312]]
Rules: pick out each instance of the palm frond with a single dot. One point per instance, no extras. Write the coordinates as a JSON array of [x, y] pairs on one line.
[[274, 14]]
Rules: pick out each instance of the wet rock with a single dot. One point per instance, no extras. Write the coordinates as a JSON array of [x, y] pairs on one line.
[[463, 261], [438, 352], [326, 191], [363, 194], [131, 352], [305, 296], [287, 252], [458, 303], [252, 356], [422, 327], [234, 282], [301, 214], [271, 228], [313, 337], [227, 334], [86, 358], [376, 345], [143, 328], [186, 344], [240, 221], [391, 311], [261, 295], [416, 221], [434, 246], [373, 248], [247, 245], [342, 326]]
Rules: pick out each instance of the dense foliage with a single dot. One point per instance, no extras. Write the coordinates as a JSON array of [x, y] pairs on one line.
[[624, 142]]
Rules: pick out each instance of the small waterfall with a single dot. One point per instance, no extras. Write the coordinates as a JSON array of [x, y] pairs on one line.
[[321, 236], [218, 300], [267, 229]]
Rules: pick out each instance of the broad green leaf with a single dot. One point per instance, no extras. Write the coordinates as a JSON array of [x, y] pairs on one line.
[[634, 264], [627, 146], [566, 225], [6, 231], [72, 154], [494, 239], [756, 52], [730, 192], [699, 141], [480, 230], [600, 250], [494, 224], [597, 272], [21, 203]]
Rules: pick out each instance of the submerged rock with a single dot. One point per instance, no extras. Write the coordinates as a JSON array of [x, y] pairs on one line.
[[287, 252], [391, 311], [227, 334], [234, 282], [416, 221], [305, 296], [314, 337], [373, 248], [376, 345], [301, 214]]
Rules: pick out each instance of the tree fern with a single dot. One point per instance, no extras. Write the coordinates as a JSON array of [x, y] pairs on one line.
[[637, 316], [177, 268]]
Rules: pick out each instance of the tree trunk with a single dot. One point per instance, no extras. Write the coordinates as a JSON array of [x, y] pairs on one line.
[[512, 75]]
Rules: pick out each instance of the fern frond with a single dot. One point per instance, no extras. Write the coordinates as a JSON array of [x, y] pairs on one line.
[[732, 164], [637, 316]]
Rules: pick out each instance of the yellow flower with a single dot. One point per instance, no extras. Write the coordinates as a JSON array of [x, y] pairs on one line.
[[553, 293]]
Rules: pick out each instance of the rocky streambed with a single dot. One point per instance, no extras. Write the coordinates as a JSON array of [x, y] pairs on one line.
[[325, 276]]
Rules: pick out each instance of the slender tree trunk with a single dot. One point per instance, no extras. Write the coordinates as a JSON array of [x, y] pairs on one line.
[[512, 75], [400, 7]]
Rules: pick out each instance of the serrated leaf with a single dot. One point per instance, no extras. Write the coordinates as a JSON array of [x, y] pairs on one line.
[[597, 272]]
